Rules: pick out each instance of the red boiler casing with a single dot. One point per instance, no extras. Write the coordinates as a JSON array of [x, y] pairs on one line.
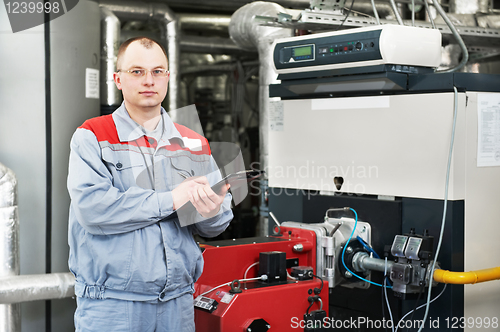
[[281, 305]]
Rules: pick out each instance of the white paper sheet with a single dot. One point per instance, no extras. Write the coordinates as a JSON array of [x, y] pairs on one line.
[[488, 130]]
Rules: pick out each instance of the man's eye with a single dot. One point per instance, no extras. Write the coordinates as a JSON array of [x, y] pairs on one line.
[[137, 72], [158, 72]]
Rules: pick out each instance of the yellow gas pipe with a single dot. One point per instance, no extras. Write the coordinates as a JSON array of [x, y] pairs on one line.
[[472, 277]]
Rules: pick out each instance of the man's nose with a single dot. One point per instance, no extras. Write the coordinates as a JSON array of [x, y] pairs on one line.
[[148, 78]]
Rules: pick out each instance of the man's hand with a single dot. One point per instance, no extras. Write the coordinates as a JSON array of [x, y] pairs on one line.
[[197, 190]]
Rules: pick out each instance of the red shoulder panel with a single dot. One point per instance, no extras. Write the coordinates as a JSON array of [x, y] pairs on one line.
[[103, 128]]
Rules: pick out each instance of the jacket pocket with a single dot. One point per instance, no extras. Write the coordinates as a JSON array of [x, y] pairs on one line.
[[125, 167]]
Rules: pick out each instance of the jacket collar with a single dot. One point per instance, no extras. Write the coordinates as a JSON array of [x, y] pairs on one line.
[[128, 130]]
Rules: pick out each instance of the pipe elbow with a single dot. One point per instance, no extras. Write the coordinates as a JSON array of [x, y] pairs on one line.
[[472, 277], [243, 29]]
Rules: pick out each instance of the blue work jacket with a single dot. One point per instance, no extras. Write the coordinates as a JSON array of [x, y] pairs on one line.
[[125, 240]]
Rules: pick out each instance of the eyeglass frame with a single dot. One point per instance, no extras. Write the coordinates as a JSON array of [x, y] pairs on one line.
[[167, 72]]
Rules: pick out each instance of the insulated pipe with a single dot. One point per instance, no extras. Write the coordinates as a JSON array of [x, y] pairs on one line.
[[248, 34], [110, 42], [162, 13], [24, 288], [10, 315], [471, 277]]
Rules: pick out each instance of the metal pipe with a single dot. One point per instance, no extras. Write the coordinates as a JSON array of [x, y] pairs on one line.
[[155, 11], [135, 10], [204, 22], [216, 67], [483, 6], [211, 45], [194, 44], [127, 34], [110, 42], [174, 54], [362, 262], [366, 7], [396, 12], [10, 315], [230, 6], [429, 14], [465, 53], [375, 12], [470, 277], [25, 288]]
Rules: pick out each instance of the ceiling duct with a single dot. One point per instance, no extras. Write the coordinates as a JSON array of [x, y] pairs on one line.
[[248, 34]]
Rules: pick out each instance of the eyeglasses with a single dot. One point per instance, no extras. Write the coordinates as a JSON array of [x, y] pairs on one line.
[[159, 73]]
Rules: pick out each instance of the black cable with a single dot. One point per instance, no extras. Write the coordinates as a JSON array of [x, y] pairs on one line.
[[48, 164], [422, 287], [321, 288], [346, 16], [307, 311]]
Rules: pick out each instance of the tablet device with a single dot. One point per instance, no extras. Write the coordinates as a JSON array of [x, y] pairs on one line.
[[237, 180]]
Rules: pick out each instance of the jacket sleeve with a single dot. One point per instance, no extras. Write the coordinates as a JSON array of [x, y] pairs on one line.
[[101, 208], [214, 226]]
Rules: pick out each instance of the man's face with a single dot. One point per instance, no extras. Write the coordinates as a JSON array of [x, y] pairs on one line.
[[146, 91]]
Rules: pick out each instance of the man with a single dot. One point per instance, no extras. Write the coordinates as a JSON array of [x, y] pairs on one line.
[[129, 172]]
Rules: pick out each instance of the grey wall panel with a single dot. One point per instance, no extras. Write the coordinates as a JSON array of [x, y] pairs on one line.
[[22, 144], [75, 45]]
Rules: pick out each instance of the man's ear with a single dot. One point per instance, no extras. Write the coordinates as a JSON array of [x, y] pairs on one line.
[[117, 79]]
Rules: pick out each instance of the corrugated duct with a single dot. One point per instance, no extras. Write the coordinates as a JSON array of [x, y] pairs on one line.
[[10, 315]]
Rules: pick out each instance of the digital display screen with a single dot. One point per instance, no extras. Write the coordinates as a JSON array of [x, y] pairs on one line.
[[302, 51]]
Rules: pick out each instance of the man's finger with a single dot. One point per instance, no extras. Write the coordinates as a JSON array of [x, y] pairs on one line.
[[199, 179]]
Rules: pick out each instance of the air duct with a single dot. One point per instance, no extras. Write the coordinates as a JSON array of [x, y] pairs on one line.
[[110, 42], [10, 315], [163, 14], [33, 287], [248, 34]]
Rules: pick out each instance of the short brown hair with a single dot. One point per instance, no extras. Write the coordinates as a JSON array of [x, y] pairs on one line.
[[145, 41]]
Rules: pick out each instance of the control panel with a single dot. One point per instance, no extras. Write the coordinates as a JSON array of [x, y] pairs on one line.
[[324, 50], [359, 47], [205, 303]]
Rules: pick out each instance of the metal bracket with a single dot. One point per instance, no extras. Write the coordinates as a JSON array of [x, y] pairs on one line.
[[328, 6]]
